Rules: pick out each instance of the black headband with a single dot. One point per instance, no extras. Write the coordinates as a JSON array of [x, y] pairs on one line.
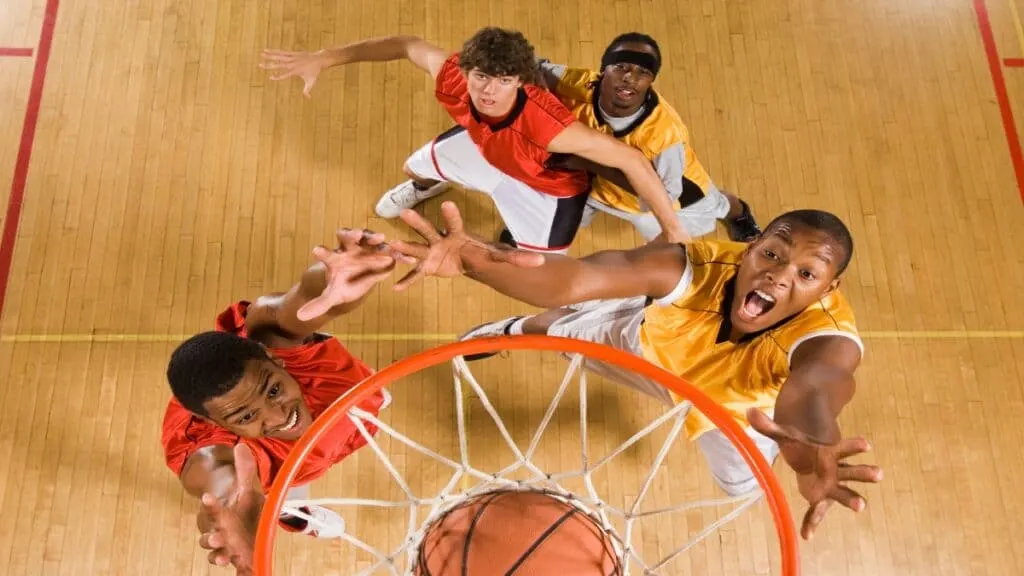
[[645, 59]]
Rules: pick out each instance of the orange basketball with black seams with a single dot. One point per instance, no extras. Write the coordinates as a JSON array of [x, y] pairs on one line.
[[516, 533]]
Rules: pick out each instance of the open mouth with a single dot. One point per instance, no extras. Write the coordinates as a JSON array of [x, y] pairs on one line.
[[291, 423], [757, 303], [625, 93], [486, 101]]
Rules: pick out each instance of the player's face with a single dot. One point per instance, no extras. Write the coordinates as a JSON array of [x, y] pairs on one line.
[[624, 86], [492, 95], [266, 402], [782, 273]]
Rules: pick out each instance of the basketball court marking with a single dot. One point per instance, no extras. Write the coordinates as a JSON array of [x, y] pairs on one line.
[[999, 84], [1017, 26], [28, 136], [442, 337], [16, 52]]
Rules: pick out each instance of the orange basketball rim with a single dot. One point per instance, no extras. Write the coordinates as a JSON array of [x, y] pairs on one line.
[[773, 493]]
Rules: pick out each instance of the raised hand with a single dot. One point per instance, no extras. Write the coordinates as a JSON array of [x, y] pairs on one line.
[[821, 470], [228, 526], [305, 65], [361, 260], [451, 252]]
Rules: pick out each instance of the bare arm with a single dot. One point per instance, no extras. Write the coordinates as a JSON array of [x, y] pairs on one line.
[[820, 385], [422, 54], [651, 270], [598, 147], [210, 469]]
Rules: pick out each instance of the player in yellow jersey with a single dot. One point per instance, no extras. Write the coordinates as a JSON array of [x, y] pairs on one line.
[[761, 328], [620, 100]]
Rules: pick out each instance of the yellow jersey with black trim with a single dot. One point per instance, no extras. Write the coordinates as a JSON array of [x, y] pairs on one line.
[[658, 130], [689, 336]]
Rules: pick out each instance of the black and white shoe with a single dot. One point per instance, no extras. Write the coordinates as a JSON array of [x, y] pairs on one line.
[[496, 328], [743, 228]]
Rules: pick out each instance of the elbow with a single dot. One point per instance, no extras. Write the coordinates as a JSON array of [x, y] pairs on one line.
[[633, 163]]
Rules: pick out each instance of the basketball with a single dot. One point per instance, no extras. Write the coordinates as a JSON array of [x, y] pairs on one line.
[[520, 533]]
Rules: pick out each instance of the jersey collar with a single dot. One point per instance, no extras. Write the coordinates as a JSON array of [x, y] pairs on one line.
[[517, 109], [650, 103]]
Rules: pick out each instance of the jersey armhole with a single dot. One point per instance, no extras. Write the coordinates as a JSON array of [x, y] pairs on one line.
[[820, 333], [681, 287]]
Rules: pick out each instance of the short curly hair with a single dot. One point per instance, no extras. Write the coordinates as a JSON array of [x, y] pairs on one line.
[[499, 52], [208, 365]]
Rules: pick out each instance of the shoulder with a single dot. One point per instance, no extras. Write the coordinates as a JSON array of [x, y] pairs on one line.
[[544, 107], [710, 264], [450, 81], [832, 316], [663, 128], [183, 433], [574, 84]]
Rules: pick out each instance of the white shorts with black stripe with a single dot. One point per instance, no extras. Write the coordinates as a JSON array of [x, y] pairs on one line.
[[537, 221]]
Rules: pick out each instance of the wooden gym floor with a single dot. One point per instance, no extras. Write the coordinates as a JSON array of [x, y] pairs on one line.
[[156, 175]]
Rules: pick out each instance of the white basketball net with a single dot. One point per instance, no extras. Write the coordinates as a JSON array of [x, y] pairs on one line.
[[539, 480]]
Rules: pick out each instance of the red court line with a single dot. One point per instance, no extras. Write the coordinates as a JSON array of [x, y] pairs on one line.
[[1014, 62], [28, 135], [999, 83], [15, 51]]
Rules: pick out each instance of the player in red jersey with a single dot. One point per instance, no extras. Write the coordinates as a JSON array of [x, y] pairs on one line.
[[247, 391], [508, 127]]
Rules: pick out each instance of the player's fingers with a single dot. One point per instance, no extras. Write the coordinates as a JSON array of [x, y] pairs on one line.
[[409, 279], [283, 75], [420, 225], [815, 514], [218, 558], [307, 86], [279, 55], [313, 309], [848, 498], [348, 238], [765, 425], [211, 540], [371, 238], [853, 446], [410, 250], [452, 217], [858, 473]]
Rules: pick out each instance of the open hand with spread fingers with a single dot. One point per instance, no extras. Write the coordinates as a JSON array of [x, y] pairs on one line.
[[297, 64], [821, 469], [453, 251], [361, 260]]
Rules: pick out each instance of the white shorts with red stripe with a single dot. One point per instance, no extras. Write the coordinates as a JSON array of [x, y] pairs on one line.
[[537, 221]]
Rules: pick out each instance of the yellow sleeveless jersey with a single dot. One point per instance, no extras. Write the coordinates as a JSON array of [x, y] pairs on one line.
[[689, 337], [655, 131]]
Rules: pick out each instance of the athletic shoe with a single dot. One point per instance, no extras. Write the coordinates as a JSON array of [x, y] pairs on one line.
[[496, 328], [743, 228], [406, 195], [325, 523]]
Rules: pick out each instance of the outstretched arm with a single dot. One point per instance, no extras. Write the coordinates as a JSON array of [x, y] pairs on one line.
[[599, 147], [805, 425], [335, 285], [547, 281], [308, 65]]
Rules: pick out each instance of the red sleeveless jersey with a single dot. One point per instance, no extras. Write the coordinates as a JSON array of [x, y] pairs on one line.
[[518, 144], [323, 368]]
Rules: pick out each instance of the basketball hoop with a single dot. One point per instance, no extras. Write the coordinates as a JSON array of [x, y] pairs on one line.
[[540, 481]]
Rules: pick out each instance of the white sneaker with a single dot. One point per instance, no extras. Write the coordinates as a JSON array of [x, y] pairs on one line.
[[323, 522], [496, 328], [405, 195]]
